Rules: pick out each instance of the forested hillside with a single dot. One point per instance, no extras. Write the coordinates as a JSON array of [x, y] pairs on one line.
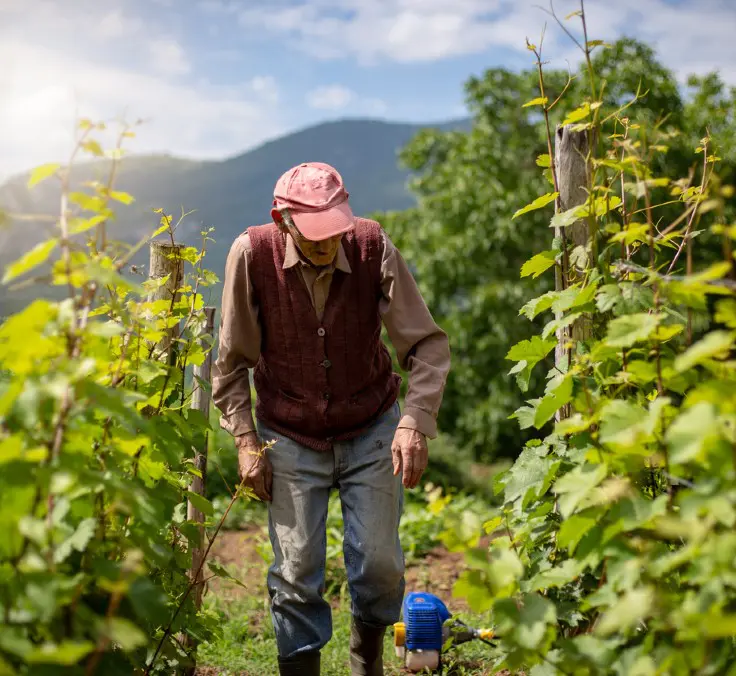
[[228, 195]]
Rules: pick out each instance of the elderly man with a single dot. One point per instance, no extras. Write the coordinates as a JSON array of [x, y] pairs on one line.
[[303, 302]]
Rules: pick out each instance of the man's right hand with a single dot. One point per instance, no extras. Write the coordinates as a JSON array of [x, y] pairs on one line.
[[255, 467]]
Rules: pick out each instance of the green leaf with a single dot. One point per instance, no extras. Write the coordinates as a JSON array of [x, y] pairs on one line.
[[124, 633], [42, 173], [715, 345], [530, 476], [533, 350], [577, 485], [78, 225], [79, 540], [578, 114], [538, 304], [622, 422], [544, 160], [471, 586], [552, 402], [87, 202], [539, 101], [607, 297], [633, 233], [565, 218], [93, 148], [528, 353], [689, 433], [201, 503], [579, 257], [66, 653], [563, 322], [719, 626], [538, 203], [536, 614], [627, 330], [558, 576], [538, 264], [526, 414], [123, 197], [633, 607], [219, 571], [29, 260], [726, 312], [504, 569], [6, 669], [573, 529]]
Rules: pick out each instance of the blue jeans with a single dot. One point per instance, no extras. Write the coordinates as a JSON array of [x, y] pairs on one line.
[[372, 500]]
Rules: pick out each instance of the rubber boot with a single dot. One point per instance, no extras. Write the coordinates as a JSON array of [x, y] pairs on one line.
[[303, 664], [366, 649]]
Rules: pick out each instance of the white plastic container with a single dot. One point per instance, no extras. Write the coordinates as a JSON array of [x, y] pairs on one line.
[[416, 660]]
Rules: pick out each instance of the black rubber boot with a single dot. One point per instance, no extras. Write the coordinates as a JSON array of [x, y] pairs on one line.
[[303, 664], [366, 649]]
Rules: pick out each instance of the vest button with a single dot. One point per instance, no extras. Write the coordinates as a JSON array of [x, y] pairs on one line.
[[326, 395], [321, 332], [326, 363]]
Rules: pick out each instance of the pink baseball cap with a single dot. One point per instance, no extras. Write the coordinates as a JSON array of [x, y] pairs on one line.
[[315, 195]]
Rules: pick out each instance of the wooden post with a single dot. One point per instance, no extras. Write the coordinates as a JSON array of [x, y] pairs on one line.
[[572, 168], [165, 259], [201, 402]]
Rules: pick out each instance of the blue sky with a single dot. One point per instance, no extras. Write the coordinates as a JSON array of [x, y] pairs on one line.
[[215, 77]]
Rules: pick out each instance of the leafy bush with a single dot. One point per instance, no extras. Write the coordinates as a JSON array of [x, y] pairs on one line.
[[96, 448], [615, 549]]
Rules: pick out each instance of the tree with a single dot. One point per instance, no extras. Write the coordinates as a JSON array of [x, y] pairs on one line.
[[463, 243]]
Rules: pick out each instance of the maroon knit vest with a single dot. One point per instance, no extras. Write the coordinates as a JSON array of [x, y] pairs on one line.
[[319, 382]]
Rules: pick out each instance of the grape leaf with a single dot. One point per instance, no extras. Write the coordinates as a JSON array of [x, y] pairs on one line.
[[627, 330], [538, 264], [538, 203]]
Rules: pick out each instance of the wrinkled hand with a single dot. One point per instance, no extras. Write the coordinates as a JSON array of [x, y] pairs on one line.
[[410, 452], [255, 467]]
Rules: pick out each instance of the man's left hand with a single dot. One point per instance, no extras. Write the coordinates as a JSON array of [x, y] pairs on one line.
[[411, 454]]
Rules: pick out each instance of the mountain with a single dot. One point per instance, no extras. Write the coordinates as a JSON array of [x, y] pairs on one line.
[[229, 194]]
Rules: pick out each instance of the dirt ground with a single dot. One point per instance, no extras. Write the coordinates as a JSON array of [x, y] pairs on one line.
[[436, 573]]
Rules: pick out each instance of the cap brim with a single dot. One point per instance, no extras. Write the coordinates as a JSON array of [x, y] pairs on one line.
[[319, 225]]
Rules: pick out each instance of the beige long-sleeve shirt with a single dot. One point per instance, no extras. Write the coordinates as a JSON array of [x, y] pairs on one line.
[[421, 346]]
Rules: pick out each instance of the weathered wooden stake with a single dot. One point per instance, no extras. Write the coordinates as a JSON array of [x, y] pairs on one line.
[[201, 402], [165, 259], [572, 167]]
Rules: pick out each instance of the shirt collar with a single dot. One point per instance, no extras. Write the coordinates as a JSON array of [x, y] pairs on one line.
[[293, 256]]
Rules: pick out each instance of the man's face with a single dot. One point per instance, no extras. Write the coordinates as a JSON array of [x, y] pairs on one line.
[[318, 254]]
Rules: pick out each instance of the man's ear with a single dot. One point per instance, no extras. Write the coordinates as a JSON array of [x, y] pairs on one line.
[[278, 219]]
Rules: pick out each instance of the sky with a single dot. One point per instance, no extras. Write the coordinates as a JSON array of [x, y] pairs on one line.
[[213, 78]]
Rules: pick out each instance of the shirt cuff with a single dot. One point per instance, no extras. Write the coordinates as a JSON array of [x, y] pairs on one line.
[[419, 420], [238, 423]]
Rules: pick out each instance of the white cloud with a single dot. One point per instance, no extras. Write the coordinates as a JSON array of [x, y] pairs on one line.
[[42, 91], [691, 36], [330, 97], [50, 77], [265, 87], [338, 97], [168, 57], [375, 106], [115, 24]]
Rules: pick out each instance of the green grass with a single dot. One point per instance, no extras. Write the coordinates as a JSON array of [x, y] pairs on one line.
[[247, 645]]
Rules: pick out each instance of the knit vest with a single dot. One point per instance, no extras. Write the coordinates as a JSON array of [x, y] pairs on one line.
[[321, 381]]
